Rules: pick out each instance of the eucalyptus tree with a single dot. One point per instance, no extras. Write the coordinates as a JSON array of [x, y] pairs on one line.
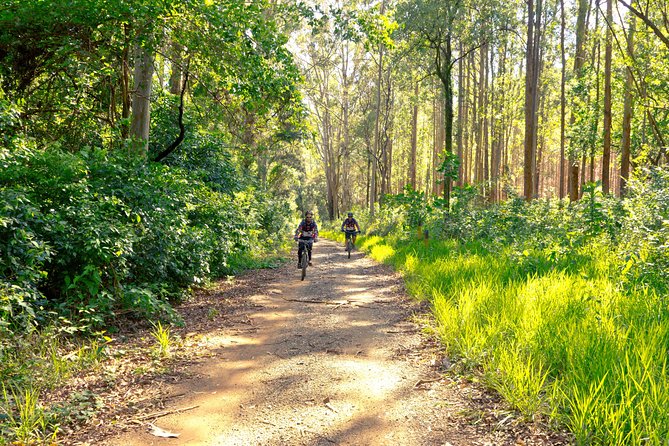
[[438, 26], [628, 107]]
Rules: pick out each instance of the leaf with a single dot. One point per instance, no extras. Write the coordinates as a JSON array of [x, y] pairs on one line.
[[158, 432]]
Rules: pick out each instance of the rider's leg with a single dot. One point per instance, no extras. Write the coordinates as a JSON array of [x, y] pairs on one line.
[[299, 254]]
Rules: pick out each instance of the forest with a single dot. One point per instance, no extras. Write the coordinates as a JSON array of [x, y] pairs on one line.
[[508, 158]]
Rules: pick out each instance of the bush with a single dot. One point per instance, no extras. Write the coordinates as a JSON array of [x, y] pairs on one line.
[[94, 233]]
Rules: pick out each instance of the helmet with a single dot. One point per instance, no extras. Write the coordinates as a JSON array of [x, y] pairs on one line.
[[350, 214], [308, 214]]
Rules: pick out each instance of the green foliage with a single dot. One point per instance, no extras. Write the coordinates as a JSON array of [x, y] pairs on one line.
[[561, 307], [97, 233], [413, 204], [26, 422], [449, 165], [163, 339], [644, 244]]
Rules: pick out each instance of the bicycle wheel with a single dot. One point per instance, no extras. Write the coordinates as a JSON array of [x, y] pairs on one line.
[[349, 247], [305, 262]]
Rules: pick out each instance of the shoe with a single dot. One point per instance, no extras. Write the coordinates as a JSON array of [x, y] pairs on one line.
[[299, 266], [311, 264]]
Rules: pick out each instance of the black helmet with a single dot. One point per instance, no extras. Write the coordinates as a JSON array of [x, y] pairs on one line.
[[350, 214]]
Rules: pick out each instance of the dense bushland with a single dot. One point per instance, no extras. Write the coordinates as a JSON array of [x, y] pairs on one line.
[[560, 308], [91, 234]]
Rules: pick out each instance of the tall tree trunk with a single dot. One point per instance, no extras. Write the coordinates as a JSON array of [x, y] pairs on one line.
[[579, 62], [377, 136], [627, 111], [141, 100], [447, 80], [461, 119], [606, 156], [563, 114], [477, 103], [487, 116], [125, 84], [531, 87], [176, 69], [597, 63], [414, 139]]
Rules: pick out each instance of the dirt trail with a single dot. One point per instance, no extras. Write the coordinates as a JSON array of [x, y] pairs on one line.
[[333, 360]]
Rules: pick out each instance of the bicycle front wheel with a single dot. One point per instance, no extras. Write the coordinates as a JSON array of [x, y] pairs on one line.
[[305, 262]]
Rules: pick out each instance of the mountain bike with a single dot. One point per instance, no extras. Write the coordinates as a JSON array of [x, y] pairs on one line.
[[306, 245], [349, 240]]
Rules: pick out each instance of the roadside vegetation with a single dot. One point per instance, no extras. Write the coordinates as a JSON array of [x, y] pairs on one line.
[[561, 309]]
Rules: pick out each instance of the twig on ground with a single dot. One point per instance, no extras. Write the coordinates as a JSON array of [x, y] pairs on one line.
[[425, 381], [166, 412]]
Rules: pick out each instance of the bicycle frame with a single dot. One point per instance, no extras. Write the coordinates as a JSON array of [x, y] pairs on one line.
[[305, 244]]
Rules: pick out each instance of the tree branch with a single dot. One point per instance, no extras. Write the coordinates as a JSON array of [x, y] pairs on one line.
[[644, 18], [182, 128]]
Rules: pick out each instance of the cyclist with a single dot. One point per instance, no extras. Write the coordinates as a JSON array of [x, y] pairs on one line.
[[350, 225], [306, 230]]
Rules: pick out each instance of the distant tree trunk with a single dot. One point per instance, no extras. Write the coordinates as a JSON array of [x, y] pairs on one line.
[[414, 139], [347, 199], [387, 141], [141, 100], [377, 136], [606, 156], [579, 61], [125, 84], [176, 71], [461, 119], [467, 170], [438, 139], [446, 76], [563, 114], [627, 111], [476, 121], [531, 96], [487, 120]]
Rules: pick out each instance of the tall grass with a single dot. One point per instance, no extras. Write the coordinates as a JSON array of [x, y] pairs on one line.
[[559, 339]]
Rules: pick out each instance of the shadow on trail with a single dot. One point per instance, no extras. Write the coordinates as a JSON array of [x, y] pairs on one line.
[[317, 364]]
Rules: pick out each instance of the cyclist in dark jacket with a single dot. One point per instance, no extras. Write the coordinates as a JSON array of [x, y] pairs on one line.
[[306, 230], [350, 224]]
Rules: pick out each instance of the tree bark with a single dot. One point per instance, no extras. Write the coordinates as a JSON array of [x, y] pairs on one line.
[[414, 139], [579, 61], [563, 113], [377, 136], [531, 85], [176, 70], [141, 100], [606, 156], [627, 112]]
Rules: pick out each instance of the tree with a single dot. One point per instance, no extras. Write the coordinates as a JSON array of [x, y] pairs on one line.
[[628, 108], [434, 25], [531, 95], [606, 157], [579, 62]]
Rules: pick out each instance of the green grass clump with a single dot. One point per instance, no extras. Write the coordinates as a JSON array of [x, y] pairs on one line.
[[558, 339]]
